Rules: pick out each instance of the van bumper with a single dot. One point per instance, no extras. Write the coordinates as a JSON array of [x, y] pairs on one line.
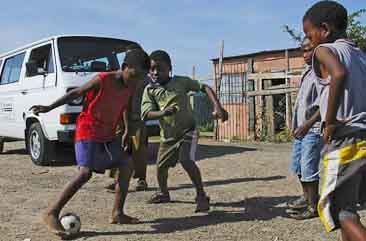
[[66, 136]]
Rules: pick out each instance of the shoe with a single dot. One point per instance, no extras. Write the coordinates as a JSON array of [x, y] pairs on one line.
[[294, 211], [159, 197], [308, 213], [298, 203], [203, 204], [141, 185]]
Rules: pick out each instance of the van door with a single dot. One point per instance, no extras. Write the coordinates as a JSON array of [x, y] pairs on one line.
[[11, 72], [41, 58], [38, 84]]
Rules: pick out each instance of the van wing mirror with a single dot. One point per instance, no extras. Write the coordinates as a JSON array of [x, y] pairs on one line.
[[33, 69]]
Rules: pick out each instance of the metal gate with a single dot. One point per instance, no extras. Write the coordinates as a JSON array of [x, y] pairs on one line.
[[259, 104]]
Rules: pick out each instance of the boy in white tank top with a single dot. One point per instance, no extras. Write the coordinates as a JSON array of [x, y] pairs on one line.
[[341, 68]]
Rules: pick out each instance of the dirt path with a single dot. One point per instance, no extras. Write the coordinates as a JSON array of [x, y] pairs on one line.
[[248, 186]]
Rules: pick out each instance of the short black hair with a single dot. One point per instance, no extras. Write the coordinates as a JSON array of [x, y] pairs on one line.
[[330, 12], [137, 57], [161, 55]]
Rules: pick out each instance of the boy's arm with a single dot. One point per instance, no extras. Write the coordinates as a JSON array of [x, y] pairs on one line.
[[125, 120], [300, 132], [124, 123], [155, 115], [69, 96], [329, 61], [194, 85], [150, 109], [219, 111]]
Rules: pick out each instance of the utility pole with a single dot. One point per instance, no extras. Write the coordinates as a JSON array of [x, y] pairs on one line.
[[194, 72]]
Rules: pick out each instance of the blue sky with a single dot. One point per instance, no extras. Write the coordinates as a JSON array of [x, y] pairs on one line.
[[190, 30]]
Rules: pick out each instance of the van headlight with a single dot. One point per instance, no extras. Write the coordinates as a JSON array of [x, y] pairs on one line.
[[78, 101]]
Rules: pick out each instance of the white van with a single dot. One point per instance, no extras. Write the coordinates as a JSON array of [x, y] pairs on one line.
[[42, 72]]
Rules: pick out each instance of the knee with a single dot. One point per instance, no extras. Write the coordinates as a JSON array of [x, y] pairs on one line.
[[348, 215], [85, 175], [188, 164]]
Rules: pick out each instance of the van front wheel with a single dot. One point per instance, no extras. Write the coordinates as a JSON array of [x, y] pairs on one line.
[[40, 148]]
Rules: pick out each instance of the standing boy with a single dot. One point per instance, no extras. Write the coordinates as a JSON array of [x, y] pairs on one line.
[[166, 99], [96, 145], [341, 68], [308, 143]]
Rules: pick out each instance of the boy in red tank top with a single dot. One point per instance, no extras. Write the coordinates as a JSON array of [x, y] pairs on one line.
[[96, 146]]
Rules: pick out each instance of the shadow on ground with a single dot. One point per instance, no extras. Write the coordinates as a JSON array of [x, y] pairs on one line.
[[229, 181], [203, 151], [64, 156], [253, 209], [20, 151]]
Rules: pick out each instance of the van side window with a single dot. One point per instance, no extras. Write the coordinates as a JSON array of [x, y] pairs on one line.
[[42, 57], [11, 69]]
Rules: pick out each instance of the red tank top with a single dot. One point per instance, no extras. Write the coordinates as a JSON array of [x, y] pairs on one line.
[[102, 111]]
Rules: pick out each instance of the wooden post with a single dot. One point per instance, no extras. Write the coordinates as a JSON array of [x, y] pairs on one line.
[[221, 67], [194, 72], [269, 112], [259, 107], [218, 78], [214, 74]]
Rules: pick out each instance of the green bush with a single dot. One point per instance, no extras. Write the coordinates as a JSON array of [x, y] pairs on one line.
[[283, 136]]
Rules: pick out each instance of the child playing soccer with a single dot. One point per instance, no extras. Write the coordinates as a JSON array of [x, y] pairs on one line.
[[96, 146], [166, 99], [135, 130], [308, 143], [341, 68]]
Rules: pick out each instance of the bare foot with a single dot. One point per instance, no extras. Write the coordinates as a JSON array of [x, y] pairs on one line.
[[122, 219], [53, 224]]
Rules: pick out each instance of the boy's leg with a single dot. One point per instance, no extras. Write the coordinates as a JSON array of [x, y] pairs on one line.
[[352, 230], [112, 173], [162, 176], [194, 174], [185, 153], [167, 157], [311, 146], [295, 168], [347, 198], [139, 157], [118, 215], [312, 193], [51, 215]]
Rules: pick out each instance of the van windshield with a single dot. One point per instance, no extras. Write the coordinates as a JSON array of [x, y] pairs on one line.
[[91, 54]]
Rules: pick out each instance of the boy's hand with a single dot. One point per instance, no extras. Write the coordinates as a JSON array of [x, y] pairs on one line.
[[39, 109], [125, 141], [220, 113], [329, 132], [170, 110], [301, 131]]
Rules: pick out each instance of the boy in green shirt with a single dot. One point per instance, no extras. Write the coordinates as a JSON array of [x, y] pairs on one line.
[[166, 100]]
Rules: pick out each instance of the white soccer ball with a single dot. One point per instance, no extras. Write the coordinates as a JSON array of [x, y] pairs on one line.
[[71, 223]]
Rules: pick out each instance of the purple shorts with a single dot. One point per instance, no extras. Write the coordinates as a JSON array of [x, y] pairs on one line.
[[99, 156]]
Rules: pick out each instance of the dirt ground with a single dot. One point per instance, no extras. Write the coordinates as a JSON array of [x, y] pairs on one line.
[[248, 185]]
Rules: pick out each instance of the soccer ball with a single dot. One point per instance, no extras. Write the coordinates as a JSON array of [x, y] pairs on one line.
[[71, 223]]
